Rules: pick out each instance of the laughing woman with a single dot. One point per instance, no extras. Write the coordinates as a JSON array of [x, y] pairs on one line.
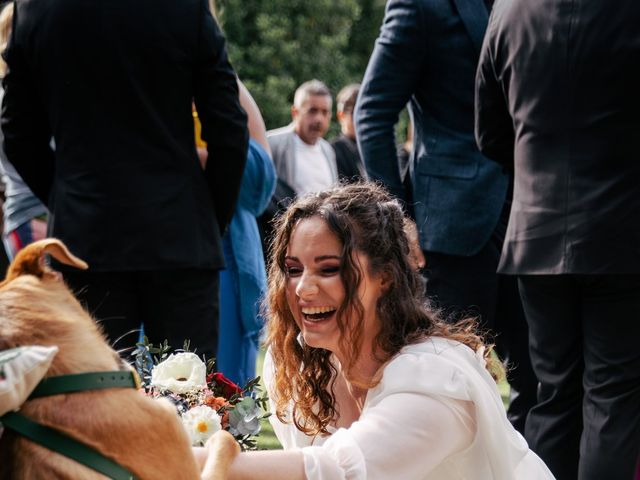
[[365, 381]]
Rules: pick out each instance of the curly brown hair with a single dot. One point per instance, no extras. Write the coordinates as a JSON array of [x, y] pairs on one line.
[[366, 219]]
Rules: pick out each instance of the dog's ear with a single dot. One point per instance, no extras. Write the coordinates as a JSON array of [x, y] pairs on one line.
[[30, 260]]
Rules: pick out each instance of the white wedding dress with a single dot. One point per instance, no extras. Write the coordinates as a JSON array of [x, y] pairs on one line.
[[436, 414]]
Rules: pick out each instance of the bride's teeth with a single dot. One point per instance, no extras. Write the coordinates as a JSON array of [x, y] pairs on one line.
[[316, 310]]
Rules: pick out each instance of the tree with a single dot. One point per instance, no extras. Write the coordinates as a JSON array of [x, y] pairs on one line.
[[277, 45]]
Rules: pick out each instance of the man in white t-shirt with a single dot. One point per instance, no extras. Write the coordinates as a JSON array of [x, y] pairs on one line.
[[304, 161]]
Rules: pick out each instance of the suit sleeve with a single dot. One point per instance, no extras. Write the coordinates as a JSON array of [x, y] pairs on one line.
[[393, 72], [224, 122], [493, 123], [25, 125]]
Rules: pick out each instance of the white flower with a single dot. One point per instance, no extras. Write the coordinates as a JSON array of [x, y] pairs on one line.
[[180, 373], [200, 423]]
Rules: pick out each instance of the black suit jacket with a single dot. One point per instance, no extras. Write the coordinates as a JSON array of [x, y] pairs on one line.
[[348, 161], [112, 83], [557, 99]]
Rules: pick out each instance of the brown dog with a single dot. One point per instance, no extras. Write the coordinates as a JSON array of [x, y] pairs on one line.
[[143, 435]]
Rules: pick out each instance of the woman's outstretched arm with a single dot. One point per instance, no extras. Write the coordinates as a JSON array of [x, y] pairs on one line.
[[270, 464]]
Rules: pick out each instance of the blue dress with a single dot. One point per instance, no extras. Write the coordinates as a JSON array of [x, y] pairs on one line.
[[243, 282]]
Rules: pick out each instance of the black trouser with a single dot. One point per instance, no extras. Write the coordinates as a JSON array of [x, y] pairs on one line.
[[470, 285], [173, 305], [584, 333]]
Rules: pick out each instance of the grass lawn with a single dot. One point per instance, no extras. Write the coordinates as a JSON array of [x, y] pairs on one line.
[[268, 441]]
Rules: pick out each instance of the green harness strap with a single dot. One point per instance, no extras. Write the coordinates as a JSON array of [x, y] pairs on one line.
[[84, 381], [65, 445], [62, 443]]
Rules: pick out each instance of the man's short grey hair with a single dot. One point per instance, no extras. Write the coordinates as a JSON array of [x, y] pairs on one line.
[[312, 87]]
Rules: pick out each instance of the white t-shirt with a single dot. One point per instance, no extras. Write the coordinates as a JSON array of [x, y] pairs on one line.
[[436, 414], [312, 170]]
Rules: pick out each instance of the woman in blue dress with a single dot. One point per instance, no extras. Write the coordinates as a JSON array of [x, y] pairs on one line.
[[243, 282]]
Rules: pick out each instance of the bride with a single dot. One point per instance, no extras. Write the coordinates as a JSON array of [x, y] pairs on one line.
[[365, 381]]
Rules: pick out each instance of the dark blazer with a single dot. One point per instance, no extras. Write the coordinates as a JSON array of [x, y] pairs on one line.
[[558, 100], [113, 84], [348, 161], [427, 54]]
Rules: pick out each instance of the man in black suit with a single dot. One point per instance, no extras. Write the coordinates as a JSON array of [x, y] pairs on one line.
[[113, 84], [557, 100], [426, 54]]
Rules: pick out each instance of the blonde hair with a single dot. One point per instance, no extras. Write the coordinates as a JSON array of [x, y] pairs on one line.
[[6, 20]]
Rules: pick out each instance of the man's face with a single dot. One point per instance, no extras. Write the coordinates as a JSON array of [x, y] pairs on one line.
[[311, 120], [346, 123]]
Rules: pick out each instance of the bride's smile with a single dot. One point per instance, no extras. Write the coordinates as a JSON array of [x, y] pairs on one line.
[[315, 288]]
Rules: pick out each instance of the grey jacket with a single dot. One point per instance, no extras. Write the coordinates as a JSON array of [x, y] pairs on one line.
[[281, 141]]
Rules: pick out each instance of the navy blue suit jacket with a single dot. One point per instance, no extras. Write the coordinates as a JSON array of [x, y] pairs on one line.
[[427, 54]]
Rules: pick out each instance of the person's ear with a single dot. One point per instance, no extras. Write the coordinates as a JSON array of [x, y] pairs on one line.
[[294, 112], [384, 280], [340, 116]]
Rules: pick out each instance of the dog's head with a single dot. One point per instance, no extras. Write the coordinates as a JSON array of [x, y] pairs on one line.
[[37, 308]]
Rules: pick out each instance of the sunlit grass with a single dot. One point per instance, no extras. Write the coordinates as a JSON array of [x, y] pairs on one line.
[[267, 439]]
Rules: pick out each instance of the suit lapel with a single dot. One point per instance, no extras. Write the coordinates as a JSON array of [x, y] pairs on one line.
[[474, 16]]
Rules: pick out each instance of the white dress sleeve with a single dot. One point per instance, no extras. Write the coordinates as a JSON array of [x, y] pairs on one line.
[[403, 432], [404, 435]]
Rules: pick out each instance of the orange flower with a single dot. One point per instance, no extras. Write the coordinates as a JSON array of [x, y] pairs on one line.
[[225, 420], [215, 402]]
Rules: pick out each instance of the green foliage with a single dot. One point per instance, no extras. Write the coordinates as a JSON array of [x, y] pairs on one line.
[[146, 355], [277, 45]]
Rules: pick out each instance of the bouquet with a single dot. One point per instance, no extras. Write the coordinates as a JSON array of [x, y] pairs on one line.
[[206, 401]]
